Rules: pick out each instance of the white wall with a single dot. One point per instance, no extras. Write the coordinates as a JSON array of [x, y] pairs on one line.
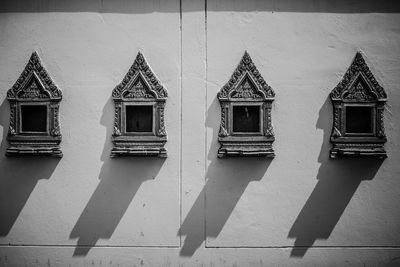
[[194, 209]]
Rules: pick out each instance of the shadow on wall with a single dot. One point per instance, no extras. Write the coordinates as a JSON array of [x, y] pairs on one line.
[[18, 177], [227, 180], [120, 179], [338, 180], [172, 6]]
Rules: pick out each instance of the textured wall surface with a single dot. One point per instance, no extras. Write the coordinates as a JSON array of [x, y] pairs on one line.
[[193, 209]]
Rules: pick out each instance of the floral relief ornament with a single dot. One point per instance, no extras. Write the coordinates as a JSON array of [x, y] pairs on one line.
[[359, 90], [139, 87], [245, 87], [34, 87]]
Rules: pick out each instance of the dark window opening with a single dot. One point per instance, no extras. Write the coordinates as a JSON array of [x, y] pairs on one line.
[[358, 119], [246, 119], [139, 118], [34, 118]]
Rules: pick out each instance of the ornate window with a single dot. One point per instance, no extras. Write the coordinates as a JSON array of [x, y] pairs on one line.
[[139, 113], [358, 105], [34, 113], [246, 100]]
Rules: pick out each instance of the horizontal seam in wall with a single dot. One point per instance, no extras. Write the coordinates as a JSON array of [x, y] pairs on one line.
[[207, 247], [83, 246], [307, 247]]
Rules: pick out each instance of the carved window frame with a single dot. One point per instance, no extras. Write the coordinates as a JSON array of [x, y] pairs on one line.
[[149, 92], [44, 93], [255, 93], [358, 88]]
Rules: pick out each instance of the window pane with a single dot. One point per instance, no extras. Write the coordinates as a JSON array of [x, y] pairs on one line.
[[246, 118], [358, 119], [139, 118], [34, 118]]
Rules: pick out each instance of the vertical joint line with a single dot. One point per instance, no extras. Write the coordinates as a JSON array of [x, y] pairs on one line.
[[181, 120], [205, 128]]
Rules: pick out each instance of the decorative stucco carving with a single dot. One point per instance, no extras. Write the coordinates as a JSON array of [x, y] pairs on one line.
[[139, 87], [34, 87], [246, 88], [148, 81], [358, 89]]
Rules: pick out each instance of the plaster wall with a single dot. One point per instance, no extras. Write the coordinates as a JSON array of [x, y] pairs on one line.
[[193, 209]]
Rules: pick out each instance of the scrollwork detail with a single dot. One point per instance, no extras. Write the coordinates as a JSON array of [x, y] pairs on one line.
[[11, 128], [222, 130], [117, 119], [34, 87], [141, 69], [357, 91], [269, 131], [42, 86], [234, 87], [161, 130], [381, 131], [336, 123], [245, 87], [358, 68], [56, 129], [140, 86]]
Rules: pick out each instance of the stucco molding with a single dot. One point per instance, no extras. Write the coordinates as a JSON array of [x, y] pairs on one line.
[[43, 86], [358, 90], [140, 82], [34, 88], [140, 87], [232, 88], [349, 89], [246, 88]]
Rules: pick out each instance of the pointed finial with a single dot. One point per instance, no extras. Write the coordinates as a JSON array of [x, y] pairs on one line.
[[359, 59], [139, 57], [35, 56], [246, 59], [359, 55]]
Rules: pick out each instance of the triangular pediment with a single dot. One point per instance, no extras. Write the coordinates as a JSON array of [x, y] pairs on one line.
[[359, 90], [246, 89], [33, 89], [140, 82], [34, 82], [358, 83], [246, 82], [138, 88]]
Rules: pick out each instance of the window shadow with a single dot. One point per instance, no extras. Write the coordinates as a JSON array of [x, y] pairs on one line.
[[120, 179], [18, 177], [226, 182], [338, 180]]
